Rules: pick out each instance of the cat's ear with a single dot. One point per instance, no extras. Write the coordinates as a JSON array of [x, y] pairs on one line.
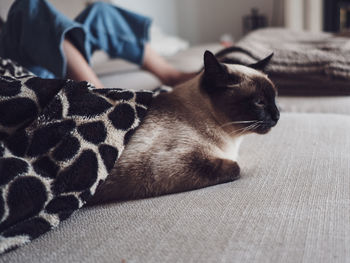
[[262, 64], [212, 66]]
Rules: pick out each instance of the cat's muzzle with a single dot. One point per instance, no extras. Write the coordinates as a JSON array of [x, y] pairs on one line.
[[266, 125]]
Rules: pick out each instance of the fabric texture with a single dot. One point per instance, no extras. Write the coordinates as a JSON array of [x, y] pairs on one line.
[[304, 63], [59, 139], [34, 32], [290, 205]]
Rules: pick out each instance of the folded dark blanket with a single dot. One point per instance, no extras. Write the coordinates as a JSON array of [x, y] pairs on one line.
[[59, 139], [304, 63]]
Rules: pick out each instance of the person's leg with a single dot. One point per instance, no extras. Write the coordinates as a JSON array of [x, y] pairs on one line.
[[79, 69], [58, 47], [77, 66], [123, 34], [157, 65], [33, 36]]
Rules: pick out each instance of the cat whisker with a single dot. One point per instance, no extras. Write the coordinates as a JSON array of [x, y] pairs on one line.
[[251, 127], [237, 122], [242, 129], [254, 127], [248, 128]]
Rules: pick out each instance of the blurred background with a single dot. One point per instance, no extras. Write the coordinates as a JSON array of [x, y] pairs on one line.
[[203, 21], [179, 24]]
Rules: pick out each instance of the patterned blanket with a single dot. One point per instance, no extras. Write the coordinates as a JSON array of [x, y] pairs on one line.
[[58, 140]]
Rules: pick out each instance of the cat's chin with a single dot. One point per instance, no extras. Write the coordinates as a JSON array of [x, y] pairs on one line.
[[262, 130]]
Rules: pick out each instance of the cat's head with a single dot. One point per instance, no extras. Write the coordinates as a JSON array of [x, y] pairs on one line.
[[243, 97]]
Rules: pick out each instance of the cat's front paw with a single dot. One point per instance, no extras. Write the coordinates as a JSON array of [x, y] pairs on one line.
[[223, 170], [230, 170]]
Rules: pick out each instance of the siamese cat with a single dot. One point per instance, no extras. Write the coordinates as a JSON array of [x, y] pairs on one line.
[[191, 135]]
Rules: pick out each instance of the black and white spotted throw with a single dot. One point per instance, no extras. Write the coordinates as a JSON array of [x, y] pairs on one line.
[[58, 140]]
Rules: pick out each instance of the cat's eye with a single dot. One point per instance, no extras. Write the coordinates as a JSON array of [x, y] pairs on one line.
[[260, 103]]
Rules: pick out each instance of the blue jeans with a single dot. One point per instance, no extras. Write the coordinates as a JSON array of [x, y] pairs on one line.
[[34, 32]]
